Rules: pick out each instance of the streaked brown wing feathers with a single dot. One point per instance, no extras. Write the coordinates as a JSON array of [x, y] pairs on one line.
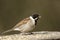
[[22, 22]]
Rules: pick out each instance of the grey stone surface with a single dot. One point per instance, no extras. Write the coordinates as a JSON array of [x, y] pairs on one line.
[[43, 35]]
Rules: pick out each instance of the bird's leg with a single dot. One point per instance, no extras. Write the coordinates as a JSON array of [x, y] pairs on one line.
[[26, 33]]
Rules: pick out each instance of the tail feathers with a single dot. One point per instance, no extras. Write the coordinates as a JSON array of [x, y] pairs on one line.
[[6, 31]]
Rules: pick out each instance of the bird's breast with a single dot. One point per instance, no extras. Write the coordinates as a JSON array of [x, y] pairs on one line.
[[28, 27]]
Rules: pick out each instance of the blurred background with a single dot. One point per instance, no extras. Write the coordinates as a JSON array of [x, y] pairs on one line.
[[13, 11]]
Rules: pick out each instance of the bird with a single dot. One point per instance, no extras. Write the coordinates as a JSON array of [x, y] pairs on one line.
[[27, 24]]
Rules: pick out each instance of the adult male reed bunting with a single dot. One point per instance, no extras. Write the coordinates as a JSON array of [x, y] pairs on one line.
[[26, 25]]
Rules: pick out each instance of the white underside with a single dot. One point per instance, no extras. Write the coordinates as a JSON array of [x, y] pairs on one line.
[[27, 27]]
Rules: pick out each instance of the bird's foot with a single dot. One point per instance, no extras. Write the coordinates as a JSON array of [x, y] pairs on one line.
[[27, 33]]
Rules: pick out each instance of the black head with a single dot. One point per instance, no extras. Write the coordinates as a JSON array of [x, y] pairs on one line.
[[35, 16]]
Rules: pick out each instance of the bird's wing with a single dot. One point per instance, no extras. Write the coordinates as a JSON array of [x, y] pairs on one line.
[[19, 24], [24, 21]]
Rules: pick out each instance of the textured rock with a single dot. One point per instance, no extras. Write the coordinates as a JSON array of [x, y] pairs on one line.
[[44, 35]]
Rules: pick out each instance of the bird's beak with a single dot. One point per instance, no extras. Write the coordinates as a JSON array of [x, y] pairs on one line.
[[39, 16]]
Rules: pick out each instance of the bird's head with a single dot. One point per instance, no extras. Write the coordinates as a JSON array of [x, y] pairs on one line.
[[36, 16]]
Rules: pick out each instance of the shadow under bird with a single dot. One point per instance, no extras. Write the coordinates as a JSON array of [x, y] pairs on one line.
[[26, 25]]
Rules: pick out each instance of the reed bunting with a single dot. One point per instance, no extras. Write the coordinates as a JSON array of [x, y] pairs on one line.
[[26, 25]]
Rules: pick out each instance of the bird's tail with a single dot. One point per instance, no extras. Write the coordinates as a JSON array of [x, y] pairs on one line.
[[6, 31]]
